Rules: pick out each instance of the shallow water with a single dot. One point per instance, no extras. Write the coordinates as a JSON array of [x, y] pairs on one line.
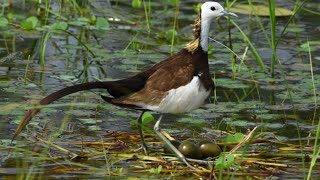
[[283, 108]]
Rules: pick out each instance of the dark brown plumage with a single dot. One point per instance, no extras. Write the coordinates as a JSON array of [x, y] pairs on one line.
[[172, 73]]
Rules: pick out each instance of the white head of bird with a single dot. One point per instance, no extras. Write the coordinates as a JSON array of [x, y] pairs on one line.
[[209, 11]]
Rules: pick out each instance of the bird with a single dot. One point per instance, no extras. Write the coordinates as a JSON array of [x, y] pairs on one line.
[[179, 84]]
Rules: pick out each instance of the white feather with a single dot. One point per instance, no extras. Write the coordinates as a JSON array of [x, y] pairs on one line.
[[207, 16], [183, 99]]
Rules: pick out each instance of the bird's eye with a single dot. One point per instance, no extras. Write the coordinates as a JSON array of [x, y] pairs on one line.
[[213, 8]]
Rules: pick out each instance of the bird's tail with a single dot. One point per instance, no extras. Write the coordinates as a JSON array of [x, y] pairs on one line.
[[57, 95]]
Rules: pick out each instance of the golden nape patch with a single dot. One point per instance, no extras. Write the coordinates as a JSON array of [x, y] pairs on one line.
[[196, 28]]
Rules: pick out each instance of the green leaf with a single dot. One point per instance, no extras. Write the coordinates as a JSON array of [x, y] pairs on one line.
[[224, 162], [175, 2], [241, 123], [310, 45], [69, 78], [93, 19], [136, 3], [30, 23], [147, 118], [89, 120], [121, 113], [26, 25], [197, 7], [59, 26], [80, 22], [102, 23], [260, 10], [191, 120], [230, 83], [237, 137], [295, 29], [156, 170], [5, 83], [3, 22]]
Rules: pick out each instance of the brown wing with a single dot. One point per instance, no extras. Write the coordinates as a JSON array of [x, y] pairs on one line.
[[165, 78], [134, 84]]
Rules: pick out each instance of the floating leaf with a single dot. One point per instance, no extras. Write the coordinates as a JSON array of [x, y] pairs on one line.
[[122, 113], [260, 10], [7, 108], [59, 26], [30, 23], [241, 123], [237, 137], [273, 125], [89, 120], [3, 22], [229, 83], [69, 78], [191, 120], [80, 22], [295, 29], [94, 128], [311, 45], [136, 3], [224, 162], [102, 23], [5, 83], [11, 90]]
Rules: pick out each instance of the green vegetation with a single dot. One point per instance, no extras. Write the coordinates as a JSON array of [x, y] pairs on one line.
[[264, 113]]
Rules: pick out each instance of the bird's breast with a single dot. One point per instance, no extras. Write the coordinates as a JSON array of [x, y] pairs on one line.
[[184, 98]]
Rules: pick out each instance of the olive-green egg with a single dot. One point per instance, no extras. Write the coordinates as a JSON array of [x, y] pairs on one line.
[[189, 150], [209, 149], [204, 141]]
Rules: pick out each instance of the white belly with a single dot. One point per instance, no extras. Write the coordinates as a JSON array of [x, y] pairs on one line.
[[183, 99]]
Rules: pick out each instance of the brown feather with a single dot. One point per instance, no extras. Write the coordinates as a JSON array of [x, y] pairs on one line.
[[176, 71]]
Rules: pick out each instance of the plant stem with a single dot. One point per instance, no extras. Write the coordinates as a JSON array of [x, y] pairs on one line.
[[174, 26], [316, 149], [251, 47], [272, 16], [146, 12], [43, 48]]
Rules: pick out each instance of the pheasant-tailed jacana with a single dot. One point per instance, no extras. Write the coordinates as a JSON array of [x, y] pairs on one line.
[[179, 84]]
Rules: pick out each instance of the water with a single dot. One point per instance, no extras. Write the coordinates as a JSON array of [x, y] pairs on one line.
[[282, 108]]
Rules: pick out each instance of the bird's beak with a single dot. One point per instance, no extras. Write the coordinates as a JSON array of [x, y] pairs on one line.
[[227, 13]]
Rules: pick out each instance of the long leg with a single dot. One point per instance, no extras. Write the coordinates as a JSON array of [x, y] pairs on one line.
[[168, 143], [144, 145]]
